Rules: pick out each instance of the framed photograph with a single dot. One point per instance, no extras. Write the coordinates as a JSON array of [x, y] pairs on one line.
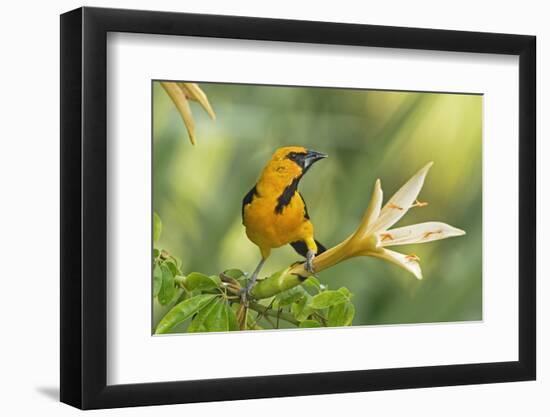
[[258, 208]]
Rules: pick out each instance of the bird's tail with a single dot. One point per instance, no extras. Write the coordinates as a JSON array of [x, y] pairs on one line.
[[300, 247], [320, 248]]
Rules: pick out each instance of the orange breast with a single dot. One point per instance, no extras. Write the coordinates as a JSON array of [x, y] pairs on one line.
[[269, 229]]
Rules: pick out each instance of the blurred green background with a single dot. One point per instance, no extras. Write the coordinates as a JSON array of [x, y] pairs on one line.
[[367, 134]]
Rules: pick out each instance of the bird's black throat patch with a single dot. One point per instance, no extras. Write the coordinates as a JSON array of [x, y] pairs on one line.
[[286, 195]]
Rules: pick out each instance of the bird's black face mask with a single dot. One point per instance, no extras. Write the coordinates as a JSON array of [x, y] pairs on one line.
[[306, 159]]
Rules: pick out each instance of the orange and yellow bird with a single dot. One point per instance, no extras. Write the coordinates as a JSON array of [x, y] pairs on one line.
[[274, 212]]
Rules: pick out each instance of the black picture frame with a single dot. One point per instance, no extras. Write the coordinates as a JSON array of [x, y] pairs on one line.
[[84, 207]]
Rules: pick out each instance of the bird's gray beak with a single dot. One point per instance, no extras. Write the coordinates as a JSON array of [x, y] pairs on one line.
[[312, 157]]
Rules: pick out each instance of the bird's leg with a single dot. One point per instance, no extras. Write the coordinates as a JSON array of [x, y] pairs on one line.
[[309, 261], [251, 282]]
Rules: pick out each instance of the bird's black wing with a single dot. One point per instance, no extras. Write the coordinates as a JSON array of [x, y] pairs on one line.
[[300, 247], [248, 199], [306, 214]]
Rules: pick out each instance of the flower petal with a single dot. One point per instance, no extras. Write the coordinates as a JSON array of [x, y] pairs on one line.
[[419, 233], [373, 210], [401, 201], [179, 99], [409, 263], [194, 92]]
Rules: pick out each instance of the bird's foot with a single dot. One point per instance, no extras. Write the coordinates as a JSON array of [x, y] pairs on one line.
[[244, 292], [309, 262]]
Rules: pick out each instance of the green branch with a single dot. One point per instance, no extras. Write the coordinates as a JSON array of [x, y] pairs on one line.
[[266, 311], [277, 283]]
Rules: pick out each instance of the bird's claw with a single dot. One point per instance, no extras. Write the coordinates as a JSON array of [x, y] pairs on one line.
[[309, 262], [244, 294]]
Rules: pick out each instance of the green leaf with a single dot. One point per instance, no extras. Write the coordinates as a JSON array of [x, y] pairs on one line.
[[309, 324], [197, 325], [313, 283], [327, 299], [167, 289], [341, 314], [301, 309], [216, 320], [173, 267], [288, 297], [216, 279], [156, 253], [234, 273], [175, 260], [213, 318], [157, 280], [157, 227], [347, 293], [231, 318], [182, 311], [198, 281]]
